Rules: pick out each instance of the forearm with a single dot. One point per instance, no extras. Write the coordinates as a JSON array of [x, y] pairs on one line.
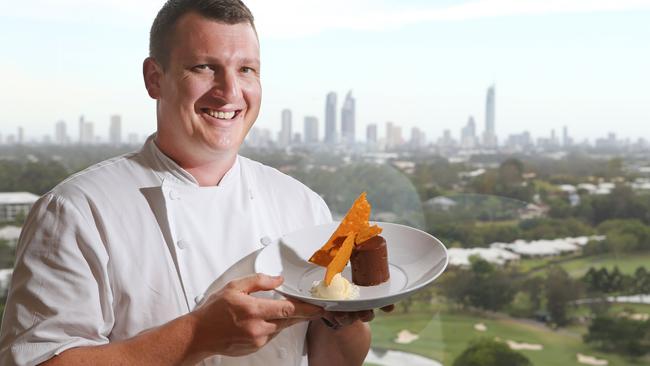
[[169, 344], [346, 346]]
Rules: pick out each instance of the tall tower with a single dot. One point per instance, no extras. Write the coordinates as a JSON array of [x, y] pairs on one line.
[[468, 134], [285, 135], [86, 132], [115, 130], [348, 125], [311, 130], [489, 136], [371, 133], [61, 134], [330, 118]]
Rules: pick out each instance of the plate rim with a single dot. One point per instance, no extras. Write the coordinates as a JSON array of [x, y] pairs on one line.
[[357, 300]]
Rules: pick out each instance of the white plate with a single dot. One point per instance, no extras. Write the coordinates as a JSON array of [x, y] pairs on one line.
[[415, 259]]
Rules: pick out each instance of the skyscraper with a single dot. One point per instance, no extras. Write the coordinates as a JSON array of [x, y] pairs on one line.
[[61, 134], [21, 136], [489, 136], [330, 118], [311, 130], [371, 133], [393, 136], [566, 140], [86, 132], [115, 130], [284, 138], [348, 123], [418, 138], [468, 135]]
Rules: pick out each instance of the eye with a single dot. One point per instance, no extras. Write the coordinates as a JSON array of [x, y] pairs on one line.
[[247, 70], [202, 68]]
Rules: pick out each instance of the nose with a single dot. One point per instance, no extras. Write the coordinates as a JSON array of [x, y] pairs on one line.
[[226, 86]]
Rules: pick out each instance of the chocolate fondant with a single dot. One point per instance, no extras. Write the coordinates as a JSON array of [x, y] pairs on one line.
[[369, 262]]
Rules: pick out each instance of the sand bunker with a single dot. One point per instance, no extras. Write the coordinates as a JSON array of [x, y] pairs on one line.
[[405, 337], [524, 346], [480, 327], [590, 360]]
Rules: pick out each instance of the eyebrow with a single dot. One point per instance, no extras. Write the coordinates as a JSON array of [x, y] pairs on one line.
[[254, 61]]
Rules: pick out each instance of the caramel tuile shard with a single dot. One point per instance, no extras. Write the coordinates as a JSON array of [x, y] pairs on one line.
[[342, 257], [355, 221], [367, 233]]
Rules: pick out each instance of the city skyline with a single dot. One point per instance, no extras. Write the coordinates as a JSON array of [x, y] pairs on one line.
[[413, 63], [468, 137]]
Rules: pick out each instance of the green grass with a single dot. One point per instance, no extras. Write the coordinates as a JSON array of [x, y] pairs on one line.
[[578, 266], [627, 263], [443, 336]]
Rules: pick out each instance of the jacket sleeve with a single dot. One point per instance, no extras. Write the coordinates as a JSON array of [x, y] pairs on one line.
[[60, 295]]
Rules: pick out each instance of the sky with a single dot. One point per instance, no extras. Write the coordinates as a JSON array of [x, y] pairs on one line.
[[576, 63]]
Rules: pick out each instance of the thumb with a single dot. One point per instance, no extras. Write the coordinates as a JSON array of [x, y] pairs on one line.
[[256, 282]]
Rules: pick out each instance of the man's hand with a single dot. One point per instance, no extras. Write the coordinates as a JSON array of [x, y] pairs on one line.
[[231, 322], [341, 338], [338, 319]]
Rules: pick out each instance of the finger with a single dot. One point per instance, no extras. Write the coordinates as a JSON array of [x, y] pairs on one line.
[[256, 282], [282, 309], [344, 318], [388, 308], [366, 316], [280, 324]]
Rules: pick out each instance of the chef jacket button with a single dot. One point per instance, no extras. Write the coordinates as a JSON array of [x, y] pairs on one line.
[[174, 195], [198, 299], [182, 244], [265, 240], [282, 352]]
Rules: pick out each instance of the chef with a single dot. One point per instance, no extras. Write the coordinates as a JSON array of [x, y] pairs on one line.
[[147, 258]]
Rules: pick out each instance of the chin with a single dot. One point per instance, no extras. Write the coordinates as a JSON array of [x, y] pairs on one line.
[[223, 144]]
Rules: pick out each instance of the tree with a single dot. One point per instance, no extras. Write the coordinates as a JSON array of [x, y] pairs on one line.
[[487, 352], [483, 286], [619, 334], [561, 289], [641, 281]]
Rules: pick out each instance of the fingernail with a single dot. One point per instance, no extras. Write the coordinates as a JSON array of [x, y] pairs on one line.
[[329, 324]]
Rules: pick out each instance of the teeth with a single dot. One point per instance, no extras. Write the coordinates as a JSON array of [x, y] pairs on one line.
[[220, 114]]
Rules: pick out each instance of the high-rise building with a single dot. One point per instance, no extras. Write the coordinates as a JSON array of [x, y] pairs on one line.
[[393, 136], [21, 136], [418, 138], [61, 133], [348, 124], [566, 139], [520, 141], [86, 132], [371, 133], [311, 130], [446, 140], [132, 139], [284, 137], [115, 130], [330, 118], [489, 136], [468, 138]]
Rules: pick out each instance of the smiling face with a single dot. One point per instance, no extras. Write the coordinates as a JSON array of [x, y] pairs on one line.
[[209, 94]]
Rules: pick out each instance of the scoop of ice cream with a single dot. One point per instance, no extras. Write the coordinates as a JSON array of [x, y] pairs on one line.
[[339, 289]]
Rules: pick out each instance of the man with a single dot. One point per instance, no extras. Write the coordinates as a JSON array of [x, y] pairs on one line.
[[113, 263]]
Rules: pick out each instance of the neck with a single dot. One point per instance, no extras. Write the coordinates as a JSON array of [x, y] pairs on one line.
[[208, 170], [210, 173]]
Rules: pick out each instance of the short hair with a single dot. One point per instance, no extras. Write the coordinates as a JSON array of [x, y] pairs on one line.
[[162, 29]]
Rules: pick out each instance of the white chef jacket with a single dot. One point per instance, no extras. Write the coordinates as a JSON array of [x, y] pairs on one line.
[[133, 242]]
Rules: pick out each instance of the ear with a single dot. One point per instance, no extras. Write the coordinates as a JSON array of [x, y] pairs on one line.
[[152, 73]]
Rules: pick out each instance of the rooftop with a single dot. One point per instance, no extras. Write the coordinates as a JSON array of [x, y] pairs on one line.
[[9, 198]]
